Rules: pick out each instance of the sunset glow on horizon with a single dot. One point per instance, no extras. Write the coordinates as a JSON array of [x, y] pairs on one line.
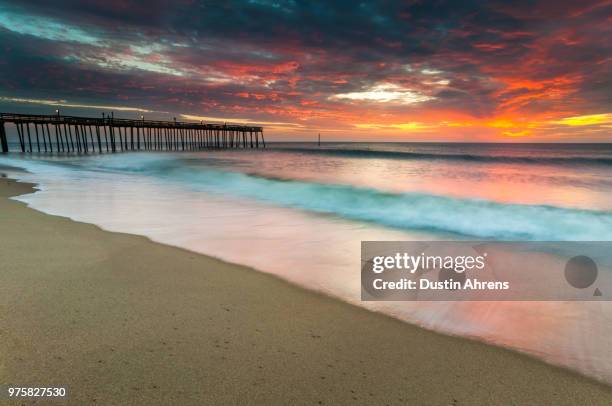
[[423, 71]]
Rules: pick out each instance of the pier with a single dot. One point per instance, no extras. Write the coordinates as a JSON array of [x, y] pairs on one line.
[[68, 134]]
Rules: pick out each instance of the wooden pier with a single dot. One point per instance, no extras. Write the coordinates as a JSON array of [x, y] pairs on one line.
[[69, 134]]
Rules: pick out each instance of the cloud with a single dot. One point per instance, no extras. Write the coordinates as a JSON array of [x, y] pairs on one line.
[[586, 120], [43, 27], [325, 65], [386, 93], [411, 126], [64, 103]]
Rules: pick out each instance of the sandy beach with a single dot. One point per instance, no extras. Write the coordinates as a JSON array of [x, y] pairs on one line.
[[122, 320]]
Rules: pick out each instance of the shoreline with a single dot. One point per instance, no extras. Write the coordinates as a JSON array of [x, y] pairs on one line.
[[125, 316]]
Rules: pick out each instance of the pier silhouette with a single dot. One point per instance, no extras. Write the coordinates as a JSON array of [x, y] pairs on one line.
[[58, 133]]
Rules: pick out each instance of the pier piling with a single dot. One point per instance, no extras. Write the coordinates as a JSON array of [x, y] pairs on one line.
[[3, 139]]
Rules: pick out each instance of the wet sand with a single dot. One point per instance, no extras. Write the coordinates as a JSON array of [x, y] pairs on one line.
[[123, 320]]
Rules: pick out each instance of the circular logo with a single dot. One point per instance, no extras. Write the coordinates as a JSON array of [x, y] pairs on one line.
[[581, 271]]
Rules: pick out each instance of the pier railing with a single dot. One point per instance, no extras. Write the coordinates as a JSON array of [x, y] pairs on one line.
[[57, 133]]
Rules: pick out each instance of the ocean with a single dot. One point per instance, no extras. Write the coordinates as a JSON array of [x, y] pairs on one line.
[[300, 212]]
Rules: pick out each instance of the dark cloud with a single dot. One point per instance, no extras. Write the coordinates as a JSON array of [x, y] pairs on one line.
[[268, 58]]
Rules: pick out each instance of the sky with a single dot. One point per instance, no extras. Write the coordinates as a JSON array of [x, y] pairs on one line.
[[470, 71]]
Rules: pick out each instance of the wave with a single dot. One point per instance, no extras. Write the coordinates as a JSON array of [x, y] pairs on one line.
[[380, 154], [412, 211], [407, 211]]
